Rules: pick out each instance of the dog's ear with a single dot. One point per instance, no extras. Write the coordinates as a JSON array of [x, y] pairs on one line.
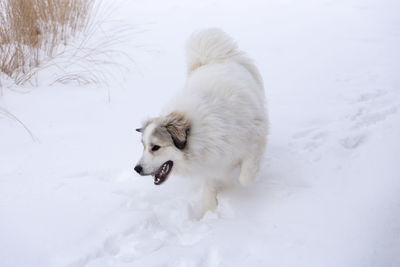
[[178, 127], [144, 125]]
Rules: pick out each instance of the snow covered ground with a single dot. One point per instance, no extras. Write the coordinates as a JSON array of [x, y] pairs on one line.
[[328, 193]]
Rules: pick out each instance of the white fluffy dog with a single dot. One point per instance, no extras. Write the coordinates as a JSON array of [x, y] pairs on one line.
[[216, 127]]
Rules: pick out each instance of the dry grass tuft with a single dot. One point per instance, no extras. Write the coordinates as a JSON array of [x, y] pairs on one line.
[[31, 30], [66, 37]]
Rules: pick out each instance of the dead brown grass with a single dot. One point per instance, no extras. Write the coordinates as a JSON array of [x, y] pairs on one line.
[[31, 30], [65, 37]]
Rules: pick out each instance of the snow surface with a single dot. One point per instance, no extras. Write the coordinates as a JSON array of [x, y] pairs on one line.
[[328, 193]]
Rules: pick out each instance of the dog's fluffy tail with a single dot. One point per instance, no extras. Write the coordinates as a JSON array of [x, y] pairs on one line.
[[213, 45], [208, 46]]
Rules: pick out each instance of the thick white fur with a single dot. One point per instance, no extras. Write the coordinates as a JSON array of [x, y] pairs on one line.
[[224, 100]]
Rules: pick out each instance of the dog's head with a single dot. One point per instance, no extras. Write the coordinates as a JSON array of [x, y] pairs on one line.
[[165, 140]]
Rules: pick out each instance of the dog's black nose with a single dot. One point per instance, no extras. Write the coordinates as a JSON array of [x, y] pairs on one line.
[[138, 169]]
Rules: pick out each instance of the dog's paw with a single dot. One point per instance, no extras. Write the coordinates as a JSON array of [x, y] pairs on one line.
[[195, 211], [245, 180]]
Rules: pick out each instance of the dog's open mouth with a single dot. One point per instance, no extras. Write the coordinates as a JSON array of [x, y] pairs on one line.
[[162, 173]]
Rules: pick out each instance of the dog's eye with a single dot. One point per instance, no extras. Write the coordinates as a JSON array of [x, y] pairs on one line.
[[155, 148]]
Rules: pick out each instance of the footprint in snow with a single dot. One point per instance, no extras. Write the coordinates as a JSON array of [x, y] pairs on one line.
[[372, 109]]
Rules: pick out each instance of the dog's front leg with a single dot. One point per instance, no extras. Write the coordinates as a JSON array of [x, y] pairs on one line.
[[210, 201], [207, 200]]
